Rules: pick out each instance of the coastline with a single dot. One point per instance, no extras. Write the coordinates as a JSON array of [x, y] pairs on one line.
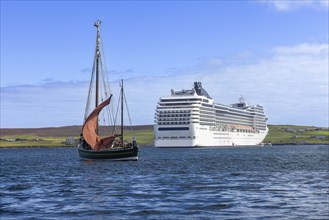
[[68, 136], [151, 145]]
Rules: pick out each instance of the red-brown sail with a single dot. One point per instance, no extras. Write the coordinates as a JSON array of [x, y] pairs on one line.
[[90, 129]]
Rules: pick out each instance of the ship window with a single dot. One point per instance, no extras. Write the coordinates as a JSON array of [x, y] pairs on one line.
[[173, 129]]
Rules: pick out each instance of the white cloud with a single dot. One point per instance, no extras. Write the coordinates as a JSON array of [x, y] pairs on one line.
[[303, 49], [287, 5], [291, 83], [47, 104]]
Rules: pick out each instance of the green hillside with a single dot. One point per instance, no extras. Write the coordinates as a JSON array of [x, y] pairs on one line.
[[290, 134], [65, 136]]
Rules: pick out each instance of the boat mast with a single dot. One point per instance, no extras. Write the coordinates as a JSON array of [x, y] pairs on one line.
[[122, 112], [97, 25]]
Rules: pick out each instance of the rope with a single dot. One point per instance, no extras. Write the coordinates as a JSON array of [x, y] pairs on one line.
[[89, 92], [131, 127], [116, 116]]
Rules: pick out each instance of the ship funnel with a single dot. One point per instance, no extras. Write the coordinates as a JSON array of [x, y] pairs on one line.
[[199, 90], [198, 87]]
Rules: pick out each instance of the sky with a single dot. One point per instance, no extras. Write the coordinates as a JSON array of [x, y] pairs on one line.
[[274, 53]]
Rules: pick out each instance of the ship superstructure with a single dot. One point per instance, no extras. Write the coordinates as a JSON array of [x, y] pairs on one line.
[[191, 118]]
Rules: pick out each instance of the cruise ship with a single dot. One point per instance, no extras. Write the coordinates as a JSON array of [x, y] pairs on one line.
[[191, 118]]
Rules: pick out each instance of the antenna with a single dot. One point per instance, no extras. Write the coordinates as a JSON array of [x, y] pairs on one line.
[[241, 99], [98, 23]]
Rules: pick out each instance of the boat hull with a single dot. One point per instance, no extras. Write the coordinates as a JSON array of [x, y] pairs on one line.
[[205, 136], [109, 154]]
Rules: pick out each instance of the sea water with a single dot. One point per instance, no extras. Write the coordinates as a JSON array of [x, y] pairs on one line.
[[277, 182]]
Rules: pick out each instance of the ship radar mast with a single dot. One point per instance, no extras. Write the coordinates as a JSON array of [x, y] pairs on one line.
[[242, 99], [241, 104]]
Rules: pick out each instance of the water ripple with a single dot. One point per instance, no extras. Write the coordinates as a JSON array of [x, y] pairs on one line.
[[286, 182]]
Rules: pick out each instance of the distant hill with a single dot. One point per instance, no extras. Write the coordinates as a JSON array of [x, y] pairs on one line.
[[64, 131], [58, 136], [292, 134]]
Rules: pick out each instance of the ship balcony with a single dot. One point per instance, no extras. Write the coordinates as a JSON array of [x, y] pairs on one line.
[[175, 103], [178, 102], [179, 105], [174, 119], [174, 108], [174, 115], [174, 123], [172, 111]]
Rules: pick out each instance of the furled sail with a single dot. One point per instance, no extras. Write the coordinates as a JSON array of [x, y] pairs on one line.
[[90, 129]]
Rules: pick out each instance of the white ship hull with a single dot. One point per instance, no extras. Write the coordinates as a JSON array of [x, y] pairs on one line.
[[204, 136]]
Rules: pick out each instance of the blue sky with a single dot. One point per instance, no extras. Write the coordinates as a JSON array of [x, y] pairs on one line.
[[273, 52]]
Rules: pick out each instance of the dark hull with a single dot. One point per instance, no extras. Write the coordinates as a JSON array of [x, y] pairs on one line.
[[110, 154]]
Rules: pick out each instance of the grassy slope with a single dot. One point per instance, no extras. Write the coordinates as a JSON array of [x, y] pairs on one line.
[[278, 134], [52, 137]]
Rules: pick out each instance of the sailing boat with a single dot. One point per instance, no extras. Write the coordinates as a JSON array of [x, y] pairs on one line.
[[99, 103]]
